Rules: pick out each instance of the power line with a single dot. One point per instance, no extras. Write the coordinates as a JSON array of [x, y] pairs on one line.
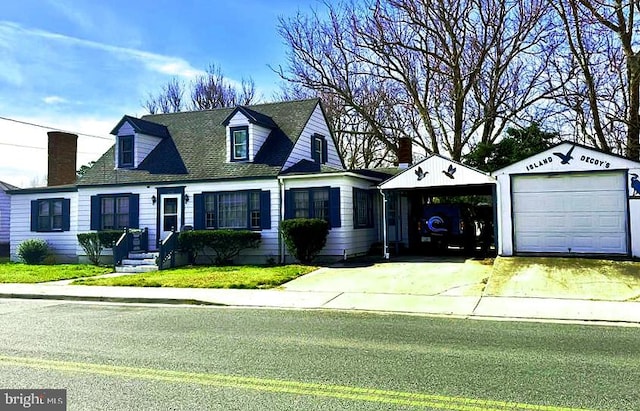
[[37, 148], [53, 128]]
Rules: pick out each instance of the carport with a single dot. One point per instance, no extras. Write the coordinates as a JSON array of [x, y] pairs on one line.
[[434, 176], [569, 200]]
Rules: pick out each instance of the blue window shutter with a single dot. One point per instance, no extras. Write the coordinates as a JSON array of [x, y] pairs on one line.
[[198, 212], [95, 213], [314, 154], [354, 200], [34, 215], [289, 207], [66, 214], [134, 210], [334, 207], [265, 209], [325, 150]]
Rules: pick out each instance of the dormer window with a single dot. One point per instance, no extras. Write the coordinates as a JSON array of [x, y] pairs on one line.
[[125, 151], [319, 148], [240, 143]]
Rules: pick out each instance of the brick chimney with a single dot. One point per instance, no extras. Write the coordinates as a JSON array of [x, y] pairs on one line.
[[62, 158], [405, 152]]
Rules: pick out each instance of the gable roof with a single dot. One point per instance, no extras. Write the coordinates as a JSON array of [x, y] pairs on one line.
[[143, 127], [253, 117], [6, 186], [196, 148], [568, 156], [437, 171]]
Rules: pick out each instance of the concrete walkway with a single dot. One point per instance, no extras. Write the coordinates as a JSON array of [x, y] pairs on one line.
[[450, 287]]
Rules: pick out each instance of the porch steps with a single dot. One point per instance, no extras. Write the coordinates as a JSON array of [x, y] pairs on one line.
[[138, 263]]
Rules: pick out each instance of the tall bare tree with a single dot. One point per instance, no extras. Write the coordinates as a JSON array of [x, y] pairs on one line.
[[210, 90], [448, 73], [606, 100]]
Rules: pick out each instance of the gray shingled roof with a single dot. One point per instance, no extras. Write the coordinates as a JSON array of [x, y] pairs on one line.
[[199, 151], [6, 186]]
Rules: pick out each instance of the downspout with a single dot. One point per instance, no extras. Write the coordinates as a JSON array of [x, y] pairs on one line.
[[385, 243], [281, 252]]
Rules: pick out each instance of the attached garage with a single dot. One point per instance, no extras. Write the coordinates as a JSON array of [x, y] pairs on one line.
[[569, 200]]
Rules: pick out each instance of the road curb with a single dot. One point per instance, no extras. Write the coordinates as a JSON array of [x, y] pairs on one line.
[[131, 300]]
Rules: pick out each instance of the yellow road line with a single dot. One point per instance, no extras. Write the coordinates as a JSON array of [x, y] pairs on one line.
[[282, 386]]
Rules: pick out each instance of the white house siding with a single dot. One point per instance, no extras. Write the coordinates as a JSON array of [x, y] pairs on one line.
[[317, 124], [269, 245], [257, 136], [5, 207], [344, 240], [147, 216], [148, 211], [63, 245], [143, 145]]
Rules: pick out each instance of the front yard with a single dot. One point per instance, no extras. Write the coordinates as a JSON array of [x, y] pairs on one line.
[[185, 277], [25, 273], [207, 277]]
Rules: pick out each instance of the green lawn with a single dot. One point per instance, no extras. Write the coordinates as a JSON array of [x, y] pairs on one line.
[[25, 273], [208, 277]]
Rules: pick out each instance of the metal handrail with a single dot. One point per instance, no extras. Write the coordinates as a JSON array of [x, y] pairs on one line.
[[168, 248], [122, 247]]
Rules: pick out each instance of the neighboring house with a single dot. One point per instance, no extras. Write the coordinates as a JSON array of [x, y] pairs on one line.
[[238, 168], [5, 207]]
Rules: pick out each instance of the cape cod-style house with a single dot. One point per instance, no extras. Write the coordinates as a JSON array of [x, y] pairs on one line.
[[247, 167]]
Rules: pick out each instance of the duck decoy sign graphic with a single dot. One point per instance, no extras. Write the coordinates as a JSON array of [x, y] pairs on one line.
[[568, 158]]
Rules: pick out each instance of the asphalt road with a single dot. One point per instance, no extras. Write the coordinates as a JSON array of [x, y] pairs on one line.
[[134, 357]]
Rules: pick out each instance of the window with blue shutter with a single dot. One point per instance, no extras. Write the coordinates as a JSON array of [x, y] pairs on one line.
[[115, 211], [319, 150], [249, 209], [50, 215], [317, 202]]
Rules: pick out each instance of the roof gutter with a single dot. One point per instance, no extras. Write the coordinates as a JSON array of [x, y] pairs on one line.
[[325, 175]]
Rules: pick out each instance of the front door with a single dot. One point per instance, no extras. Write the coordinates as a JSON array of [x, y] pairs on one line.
[[170, 214]]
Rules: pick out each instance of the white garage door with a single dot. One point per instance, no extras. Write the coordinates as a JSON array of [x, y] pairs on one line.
[[570, 213]]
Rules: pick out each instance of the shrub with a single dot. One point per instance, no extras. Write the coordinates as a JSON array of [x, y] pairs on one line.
[[33, 251], [92, 246], [304, 237], [226, 244], [108, 238]]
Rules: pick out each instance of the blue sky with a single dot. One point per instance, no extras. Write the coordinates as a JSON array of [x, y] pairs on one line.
[[80, 65]]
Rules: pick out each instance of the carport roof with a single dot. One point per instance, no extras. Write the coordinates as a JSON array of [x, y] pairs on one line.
[[437, 171]]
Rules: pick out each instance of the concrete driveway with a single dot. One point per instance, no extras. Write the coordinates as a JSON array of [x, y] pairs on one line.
[[446, 276]]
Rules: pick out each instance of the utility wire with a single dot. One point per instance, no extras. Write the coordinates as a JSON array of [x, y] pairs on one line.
[[37, 148], [53, 128]]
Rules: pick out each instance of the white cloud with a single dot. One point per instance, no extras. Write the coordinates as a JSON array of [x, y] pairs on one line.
[[169, 65], [54, 100]]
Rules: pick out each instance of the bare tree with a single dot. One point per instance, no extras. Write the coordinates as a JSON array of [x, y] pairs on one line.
[[446, 73], [600, 37], [321, 59], [213, 90], [208, 91]]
